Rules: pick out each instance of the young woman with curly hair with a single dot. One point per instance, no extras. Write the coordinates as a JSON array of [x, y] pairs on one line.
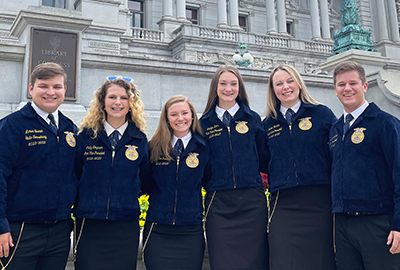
[[112, 152]]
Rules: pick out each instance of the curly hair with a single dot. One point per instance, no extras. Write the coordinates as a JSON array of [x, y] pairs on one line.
[[160, 144], [96, 116]]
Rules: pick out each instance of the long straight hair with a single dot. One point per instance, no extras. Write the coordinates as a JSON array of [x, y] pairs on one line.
[[213, 95], [160, 144], [273, 102]]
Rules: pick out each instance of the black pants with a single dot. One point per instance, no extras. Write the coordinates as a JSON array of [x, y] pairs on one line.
[[41, 247], [361, 243]]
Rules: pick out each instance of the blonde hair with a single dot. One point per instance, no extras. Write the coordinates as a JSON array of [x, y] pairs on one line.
[[160, 144], [213, 95], [96, 116], [273, 102]]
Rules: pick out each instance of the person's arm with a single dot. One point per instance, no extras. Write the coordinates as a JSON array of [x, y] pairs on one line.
[[145, 172], [264, 155], [390, 141], [10, 144]]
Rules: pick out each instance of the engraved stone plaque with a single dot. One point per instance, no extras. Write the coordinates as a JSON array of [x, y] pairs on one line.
[[60, 48]]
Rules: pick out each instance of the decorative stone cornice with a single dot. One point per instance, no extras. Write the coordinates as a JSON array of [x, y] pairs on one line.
[[50, 17]]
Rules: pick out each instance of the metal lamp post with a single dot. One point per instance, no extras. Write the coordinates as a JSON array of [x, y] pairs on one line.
[[242, 57]]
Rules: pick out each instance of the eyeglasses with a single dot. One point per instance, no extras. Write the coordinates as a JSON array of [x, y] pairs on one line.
[[127, 79]]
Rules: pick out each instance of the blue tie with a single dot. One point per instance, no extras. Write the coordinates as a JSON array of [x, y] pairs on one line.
[[346, 125], [52, 125], [289, 115], [114, 138], [226, 118], [178, 148]]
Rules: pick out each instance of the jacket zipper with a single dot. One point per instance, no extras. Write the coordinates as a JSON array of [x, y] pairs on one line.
[[176, 189], [230, 145], [109, 188], [294, 164]]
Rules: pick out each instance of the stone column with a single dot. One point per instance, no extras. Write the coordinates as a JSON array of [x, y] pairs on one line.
[[222, 17], [382, 25], [326, 29], [394, 23], [167, 9], [280, 5], [234, 13], [271, 25], [181, 10], [315, 26]]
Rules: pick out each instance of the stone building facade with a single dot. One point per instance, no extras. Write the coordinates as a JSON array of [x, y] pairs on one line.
[[174, 46]]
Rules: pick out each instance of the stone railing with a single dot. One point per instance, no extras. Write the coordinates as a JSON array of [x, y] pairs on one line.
[[147, 34], [216, 33], [315, 46], [272, 41]]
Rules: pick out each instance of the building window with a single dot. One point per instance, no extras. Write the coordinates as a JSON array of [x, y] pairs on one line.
[[54, 3], [192, 15], [289, 28], [243, 22], [136, 8]]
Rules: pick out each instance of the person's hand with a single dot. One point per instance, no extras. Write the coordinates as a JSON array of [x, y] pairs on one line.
[[5, 243], [394, 239]]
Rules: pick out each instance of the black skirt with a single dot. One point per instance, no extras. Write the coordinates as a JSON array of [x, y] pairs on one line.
[[301, 229], [168, 247], [106, 244], [236, 229]]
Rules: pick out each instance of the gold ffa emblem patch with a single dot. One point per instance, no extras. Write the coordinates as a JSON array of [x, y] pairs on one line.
[[358, 135], [192, 161], [69, 137], [241, 127], [305, 123], [131, 152]]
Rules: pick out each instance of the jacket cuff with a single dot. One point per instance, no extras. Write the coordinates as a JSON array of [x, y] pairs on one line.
[[4, 226], [396, 224]]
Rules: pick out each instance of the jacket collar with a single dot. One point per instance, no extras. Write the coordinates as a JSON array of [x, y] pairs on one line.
[[301, 110], [193, 143], [370, 112], [212, 116], [28, 112], [131, 132]]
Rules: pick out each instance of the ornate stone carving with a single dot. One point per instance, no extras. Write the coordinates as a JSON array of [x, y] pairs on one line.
[[205, 57], [103, 45]]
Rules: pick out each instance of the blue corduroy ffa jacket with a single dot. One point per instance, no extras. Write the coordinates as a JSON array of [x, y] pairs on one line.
[[37, 179], [298, 155], [175, 195], [110, 181], [366, 165], [234, 149]]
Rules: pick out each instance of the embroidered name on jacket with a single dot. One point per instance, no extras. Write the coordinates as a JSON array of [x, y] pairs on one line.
[[94, 152], [332, 141], [274, 131], [35, 137], [213, 131]]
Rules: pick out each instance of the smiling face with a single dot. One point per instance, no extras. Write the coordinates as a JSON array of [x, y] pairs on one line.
[[228, 90], [350, 90], [180, 118], [48, 94], [285, 88], [116, 104]]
